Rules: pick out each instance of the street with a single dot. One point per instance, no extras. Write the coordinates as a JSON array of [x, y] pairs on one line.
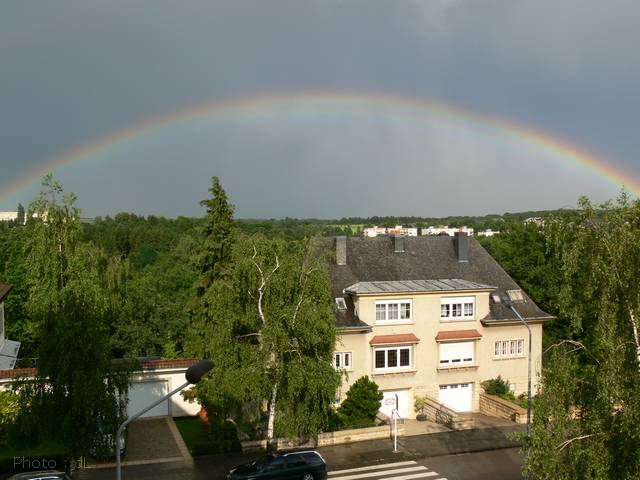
[[503, 464]]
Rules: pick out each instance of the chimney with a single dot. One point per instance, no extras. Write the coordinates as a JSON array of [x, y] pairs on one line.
[[398, 244], [341, 250], [461, 245]]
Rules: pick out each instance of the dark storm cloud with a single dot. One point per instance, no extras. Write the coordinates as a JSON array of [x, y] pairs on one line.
[[74, 71]]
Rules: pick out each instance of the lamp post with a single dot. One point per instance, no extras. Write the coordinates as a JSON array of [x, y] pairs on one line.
[[510, 304], [193, 375]]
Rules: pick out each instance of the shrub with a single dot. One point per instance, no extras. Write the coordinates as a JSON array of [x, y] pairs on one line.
[[496, 386], [420, 405], [9, 412], [362, 403]]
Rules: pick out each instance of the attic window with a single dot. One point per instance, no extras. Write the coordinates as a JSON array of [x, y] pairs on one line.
[[496, 298], [515, 295], [342, 305]]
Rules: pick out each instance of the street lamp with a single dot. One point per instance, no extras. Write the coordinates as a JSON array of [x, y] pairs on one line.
[[510, 305], [193, 375]]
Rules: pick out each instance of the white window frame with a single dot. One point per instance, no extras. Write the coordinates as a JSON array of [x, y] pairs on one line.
[[458, 360], [397, 348], [342, 363], [510, 348], [398, 303], [459, 304]]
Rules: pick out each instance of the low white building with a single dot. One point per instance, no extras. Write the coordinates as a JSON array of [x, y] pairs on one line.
[[397, 230], [155, 379], [488, 233], [447, 230]]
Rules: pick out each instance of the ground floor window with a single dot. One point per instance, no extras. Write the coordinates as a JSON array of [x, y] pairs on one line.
[[342, 360]]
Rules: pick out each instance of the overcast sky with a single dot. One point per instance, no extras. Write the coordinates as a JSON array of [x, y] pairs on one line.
[[73, 72]]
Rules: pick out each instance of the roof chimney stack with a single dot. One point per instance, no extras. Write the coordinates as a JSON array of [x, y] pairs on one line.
[[398, 244], [341, 250], [461, 244]]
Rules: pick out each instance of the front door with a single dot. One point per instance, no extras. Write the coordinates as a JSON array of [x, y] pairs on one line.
[[389, 402]]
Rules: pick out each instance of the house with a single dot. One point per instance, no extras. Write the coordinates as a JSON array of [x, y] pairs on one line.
[[398, 230], [8, 348], [427, 316]]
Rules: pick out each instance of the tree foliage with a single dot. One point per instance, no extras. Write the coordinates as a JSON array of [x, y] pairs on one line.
[[76, 390], [587, 415]]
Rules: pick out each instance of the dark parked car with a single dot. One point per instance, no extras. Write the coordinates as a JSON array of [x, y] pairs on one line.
[[303, 465]]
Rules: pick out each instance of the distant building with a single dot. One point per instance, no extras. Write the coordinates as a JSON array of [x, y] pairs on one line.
[[487, 233], [451, 231], [537, 220], [374, 231], [8, 216], [397, 230]]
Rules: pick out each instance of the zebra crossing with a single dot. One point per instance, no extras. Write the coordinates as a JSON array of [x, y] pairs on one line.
[[408, 470]]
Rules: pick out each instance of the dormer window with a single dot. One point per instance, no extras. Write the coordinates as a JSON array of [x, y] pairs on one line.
[[341, 304], [457, 308], [393, 311]]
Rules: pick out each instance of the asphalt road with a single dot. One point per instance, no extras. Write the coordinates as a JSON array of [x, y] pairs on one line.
[[503, 464]]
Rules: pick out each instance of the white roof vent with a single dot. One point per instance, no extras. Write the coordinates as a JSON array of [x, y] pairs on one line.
[[342, 305]]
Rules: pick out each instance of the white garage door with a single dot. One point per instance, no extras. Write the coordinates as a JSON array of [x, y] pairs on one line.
[[389, 402], [458, 396], [143, 394]]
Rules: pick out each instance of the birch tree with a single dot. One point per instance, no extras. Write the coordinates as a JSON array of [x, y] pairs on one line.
[[587, 414], [271, 334]]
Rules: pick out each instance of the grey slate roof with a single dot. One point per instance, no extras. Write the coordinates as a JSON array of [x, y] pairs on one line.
[[402, 286], [428, 258]]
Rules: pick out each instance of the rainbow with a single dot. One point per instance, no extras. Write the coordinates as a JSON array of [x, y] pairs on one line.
[[266, 105]]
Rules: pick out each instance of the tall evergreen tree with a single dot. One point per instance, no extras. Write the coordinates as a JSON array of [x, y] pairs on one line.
[[21, 216], [587, 414], [217, 235]]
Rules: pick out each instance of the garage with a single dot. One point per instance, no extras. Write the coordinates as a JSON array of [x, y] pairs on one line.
[[142, 394], [458, 396], [389, 402]]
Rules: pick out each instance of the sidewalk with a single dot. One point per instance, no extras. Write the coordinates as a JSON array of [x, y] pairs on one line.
[[421, 446]]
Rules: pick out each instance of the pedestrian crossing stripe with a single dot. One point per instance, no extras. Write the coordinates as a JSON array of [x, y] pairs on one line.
[[372, 467], [409, 470]]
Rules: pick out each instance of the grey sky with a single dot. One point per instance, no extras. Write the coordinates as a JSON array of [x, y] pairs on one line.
[[72, 72]]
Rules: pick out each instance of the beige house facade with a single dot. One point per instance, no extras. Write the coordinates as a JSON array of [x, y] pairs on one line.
[[430, 316]]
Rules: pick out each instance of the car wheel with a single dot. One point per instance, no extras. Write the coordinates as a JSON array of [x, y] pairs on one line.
[[308, 476]]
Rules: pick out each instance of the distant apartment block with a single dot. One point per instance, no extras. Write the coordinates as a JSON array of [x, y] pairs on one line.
[[397, 230], [451, 231]]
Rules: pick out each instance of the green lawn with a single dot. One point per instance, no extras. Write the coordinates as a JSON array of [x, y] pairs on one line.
[[194, 433]]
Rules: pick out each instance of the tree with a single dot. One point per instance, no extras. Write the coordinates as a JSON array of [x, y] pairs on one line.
[[21, 216], [362, 403], [218, 236], [75, 396], [587, 414], [270, 329]]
